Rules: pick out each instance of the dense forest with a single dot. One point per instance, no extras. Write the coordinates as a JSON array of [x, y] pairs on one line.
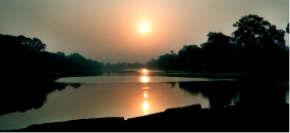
[[256, 47]]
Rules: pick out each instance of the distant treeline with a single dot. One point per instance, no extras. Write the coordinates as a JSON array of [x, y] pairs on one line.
[[255, 47], [27, 57]]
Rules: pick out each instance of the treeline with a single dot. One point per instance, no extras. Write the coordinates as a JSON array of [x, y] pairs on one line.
[[26, 57], [255, 47], [28, 72]]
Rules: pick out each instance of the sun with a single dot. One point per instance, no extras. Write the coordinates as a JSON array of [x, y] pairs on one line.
[[144, 28]]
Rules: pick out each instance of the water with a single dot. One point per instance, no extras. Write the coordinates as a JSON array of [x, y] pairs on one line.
[[127, 96]]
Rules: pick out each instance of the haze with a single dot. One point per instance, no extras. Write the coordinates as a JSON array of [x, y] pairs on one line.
[[107, 30]]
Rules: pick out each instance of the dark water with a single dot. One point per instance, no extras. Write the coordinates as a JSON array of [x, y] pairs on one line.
[[126, 96]]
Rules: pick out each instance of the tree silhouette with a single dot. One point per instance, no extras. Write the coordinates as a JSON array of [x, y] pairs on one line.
[[167, 61], [287, 28], [218, 52], [253, 32], [261, 45], [256, 47], [34, 43], [189, 58]]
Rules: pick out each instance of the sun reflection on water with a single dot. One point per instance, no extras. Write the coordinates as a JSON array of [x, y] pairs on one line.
[[144, 79], [145, 71], [145, 107], [145, 88], [145, 94]]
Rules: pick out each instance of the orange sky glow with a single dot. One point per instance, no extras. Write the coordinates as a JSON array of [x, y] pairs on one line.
[[109, 30]]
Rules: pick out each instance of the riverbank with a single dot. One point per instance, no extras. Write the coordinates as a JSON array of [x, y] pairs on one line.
[[273, 117]]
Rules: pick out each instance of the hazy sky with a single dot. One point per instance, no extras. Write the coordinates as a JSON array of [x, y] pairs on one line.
[[107, 30]]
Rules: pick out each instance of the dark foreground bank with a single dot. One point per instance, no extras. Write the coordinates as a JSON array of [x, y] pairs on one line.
[[190, 118]]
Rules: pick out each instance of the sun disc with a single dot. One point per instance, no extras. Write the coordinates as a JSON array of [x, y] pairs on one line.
[[144, 28]]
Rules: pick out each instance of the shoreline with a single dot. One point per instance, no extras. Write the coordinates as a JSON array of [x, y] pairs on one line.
[[271, 117]]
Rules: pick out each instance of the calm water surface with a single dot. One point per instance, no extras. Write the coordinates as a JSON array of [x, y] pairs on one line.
[[109, 95]]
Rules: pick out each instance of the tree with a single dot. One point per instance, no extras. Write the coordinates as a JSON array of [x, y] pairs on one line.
[[252, 32], [189, 58], [218, 52], [167, 61], [61, 54], [287, 28], [261, 45], [33, 44], [38, 45]]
